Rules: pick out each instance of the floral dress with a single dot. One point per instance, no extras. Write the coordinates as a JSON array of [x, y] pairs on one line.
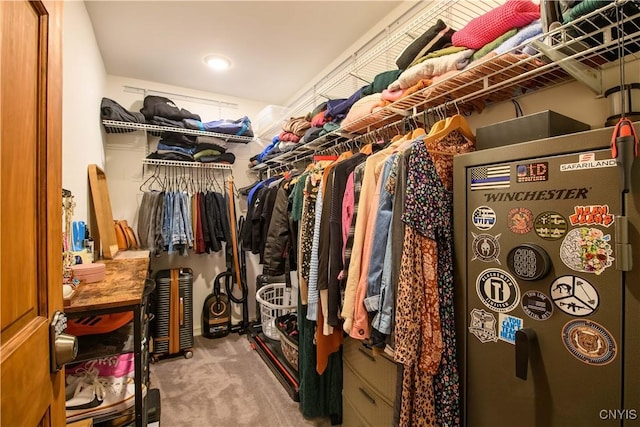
[[425, 330]]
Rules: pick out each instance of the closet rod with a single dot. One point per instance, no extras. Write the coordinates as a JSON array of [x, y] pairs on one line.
[[441, 111], [176, 163], [180, 97]]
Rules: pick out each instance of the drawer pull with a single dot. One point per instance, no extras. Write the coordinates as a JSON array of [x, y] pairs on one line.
[[366, 353], [367, 395]]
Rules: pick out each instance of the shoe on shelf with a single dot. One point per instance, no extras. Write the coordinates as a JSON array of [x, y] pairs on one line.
[[121, 365], [96, 396]]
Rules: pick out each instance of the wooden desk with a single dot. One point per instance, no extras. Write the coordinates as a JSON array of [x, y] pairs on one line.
[[123, 285]]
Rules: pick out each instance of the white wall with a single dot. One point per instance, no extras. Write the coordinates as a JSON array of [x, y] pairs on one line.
[[124, 153], [83, 81]]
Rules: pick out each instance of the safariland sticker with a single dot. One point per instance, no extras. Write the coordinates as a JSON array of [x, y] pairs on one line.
[[485, 247], [483, 217], [587, 250], [482, 324], [550, 225], [589, 342], [587, 161], [574, 296], [536, 305], [520, 220], [508, 327], [532, 172], [591, 215], [498, 290]]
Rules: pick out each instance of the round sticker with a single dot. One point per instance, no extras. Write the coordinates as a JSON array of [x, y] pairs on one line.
[[520, 220], [574, 295], [589, 342], [586, 250], [550, 225], [483, 217], [498, 290], [485, 247], [528, 262], [536, 305]]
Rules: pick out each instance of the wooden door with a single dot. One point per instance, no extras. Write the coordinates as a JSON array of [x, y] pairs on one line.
[[30, 210]]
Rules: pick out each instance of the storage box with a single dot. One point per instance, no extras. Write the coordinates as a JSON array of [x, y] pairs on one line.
[[89, 273], [540, 125]]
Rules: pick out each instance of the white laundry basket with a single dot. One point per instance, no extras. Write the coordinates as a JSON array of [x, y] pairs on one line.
[[275, 300]]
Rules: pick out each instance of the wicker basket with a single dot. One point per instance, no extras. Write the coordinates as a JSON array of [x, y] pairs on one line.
[[275, 300], [288, 345]]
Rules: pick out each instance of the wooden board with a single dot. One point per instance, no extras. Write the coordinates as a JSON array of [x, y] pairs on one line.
[[102, 212]]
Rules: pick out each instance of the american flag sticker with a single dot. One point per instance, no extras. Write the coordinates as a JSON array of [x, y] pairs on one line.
[[490, 177]]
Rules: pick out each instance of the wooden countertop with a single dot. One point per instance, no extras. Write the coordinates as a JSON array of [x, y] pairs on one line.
[[123, 285]]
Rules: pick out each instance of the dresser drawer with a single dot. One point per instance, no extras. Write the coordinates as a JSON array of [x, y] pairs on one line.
[[370, 406], [378, 371], [350, 415]]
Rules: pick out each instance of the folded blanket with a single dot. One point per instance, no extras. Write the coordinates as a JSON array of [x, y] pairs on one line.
[[228, 158], [583, 8], [337, 108], [111, 110], [296, 125], [201, 139], [431, 67], [239, 127], [355, 119], [163, 121], [440, 52], [380, 82], [525, 34], [319, 119], [288, 136], [311, 134], [493, 44], [177, 148], [421, 84], [436, 37], [392, 95], [200, 154], [209, 146], [164, 107], [172, 155], [488, 27]]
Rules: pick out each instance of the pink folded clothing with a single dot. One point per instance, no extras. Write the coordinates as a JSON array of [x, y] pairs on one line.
[[488, 27], [288, 136], [360, 114], [319, 119], [392, 95]]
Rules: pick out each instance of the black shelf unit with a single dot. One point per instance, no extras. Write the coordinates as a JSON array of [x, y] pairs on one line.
[[271, 353], [132, 337]]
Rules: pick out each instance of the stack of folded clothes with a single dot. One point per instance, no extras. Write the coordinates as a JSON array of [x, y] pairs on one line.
[[188, 148], [111, 110]]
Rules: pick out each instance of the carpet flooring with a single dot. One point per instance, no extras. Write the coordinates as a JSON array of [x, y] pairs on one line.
[[225, 384]]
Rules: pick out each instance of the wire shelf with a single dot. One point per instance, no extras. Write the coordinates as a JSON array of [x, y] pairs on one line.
[[578, 50], [176, 163], [112, 126]]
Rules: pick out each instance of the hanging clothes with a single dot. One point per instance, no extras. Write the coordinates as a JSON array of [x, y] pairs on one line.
[[424, 329]]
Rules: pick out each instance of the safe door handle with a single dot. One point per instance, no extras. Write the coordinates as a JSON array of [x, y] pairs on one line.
[[181, 311], [525, 340]]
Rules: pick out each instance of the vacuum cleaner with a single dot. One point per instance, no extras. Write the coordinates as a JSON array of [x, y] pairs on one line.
[[216, 312]]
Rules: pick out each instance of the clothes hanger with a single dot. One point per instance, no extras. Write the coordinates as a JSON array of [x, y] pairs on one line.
[[456, 122], [153, 178]]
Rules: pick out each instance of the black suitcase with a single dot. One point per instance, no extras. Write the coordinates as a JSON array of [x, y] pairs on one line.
[[172, 327]]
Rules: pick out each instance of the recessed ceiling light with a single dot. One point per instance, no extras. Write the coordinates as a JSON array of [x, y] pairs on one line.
[[217, 62]]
